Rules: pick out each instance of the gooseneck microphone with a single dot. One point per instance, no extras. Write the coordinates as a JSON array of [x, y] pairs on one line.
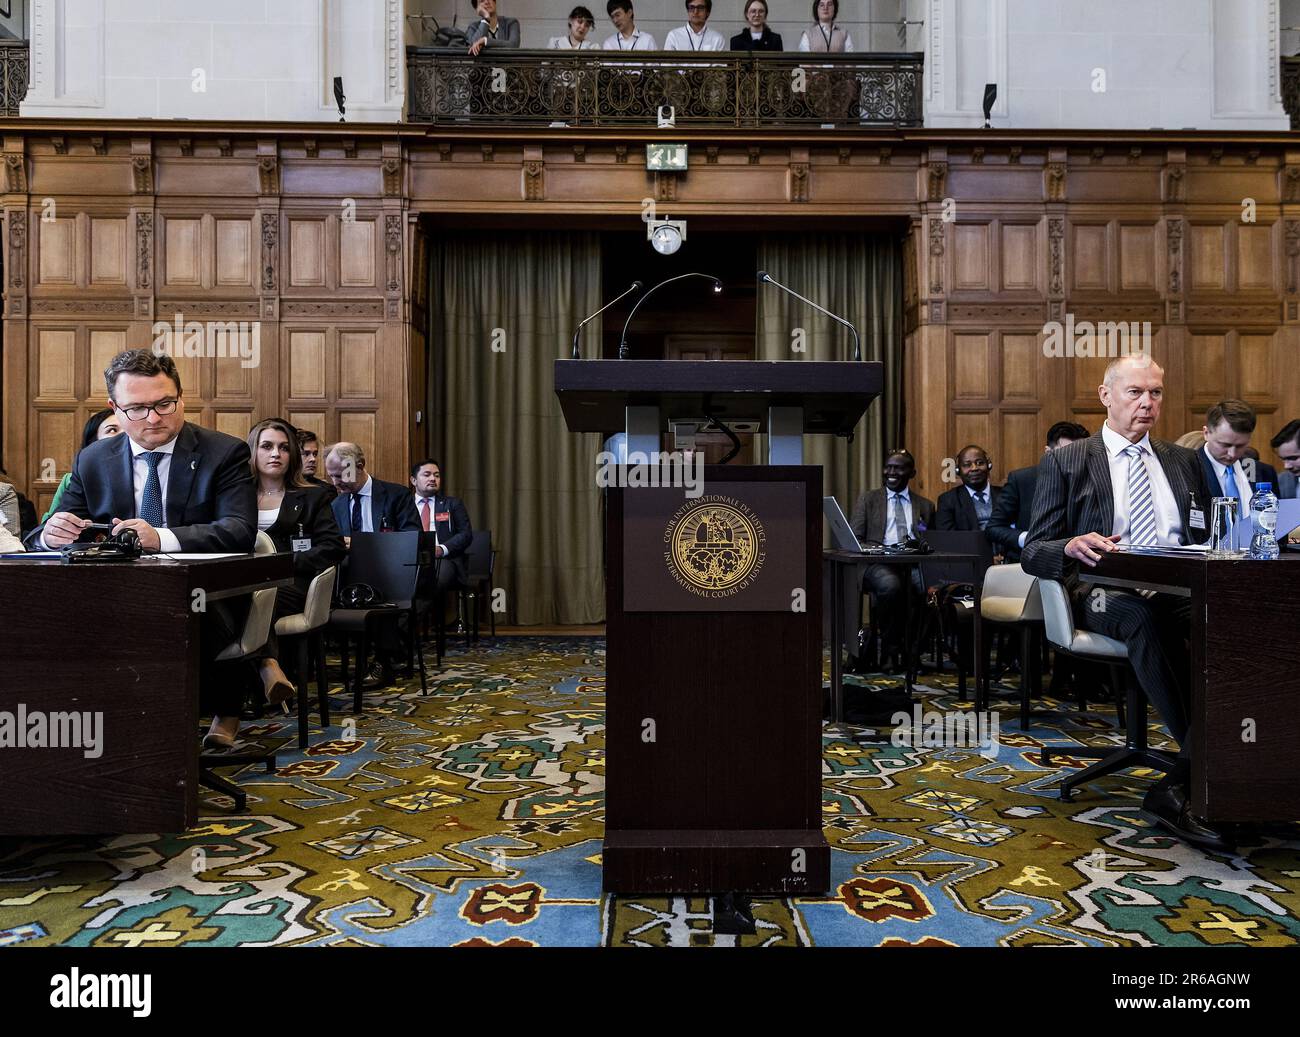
[[636, 286], [622, 344], [765, 277]]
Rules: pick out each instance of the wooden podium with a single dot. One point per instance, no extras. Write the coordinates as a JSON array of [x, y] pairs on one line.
[[714, 628]]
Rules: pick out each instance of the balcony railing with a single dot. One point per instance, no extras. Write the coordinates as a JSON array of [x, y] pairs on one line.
[[15, 70], [601, 88]]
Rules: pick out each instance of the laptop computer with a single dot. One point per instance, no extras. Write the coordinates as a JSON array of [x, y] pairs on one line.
[[841, 532]]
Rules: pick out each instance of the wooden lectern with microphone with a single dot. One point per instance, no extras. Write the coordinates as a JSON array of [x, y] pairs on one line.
[[714, 626]]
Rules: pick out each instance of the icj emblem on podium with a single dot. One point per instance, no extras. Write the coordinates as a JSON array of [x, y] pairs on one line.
[[714, 546]]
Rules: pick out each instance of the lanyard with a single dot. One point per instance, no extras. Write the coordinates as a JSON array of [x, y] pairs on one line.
[[635, 36], [690, 35], [826, 35]]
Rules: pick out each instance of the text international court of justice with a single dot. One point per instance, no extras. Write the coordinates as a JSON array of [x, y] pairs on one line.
[[498, 474]]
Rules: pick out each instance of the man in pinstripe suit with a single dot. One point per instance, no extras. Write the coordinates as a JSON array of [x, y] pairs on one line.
[[1122, 486]]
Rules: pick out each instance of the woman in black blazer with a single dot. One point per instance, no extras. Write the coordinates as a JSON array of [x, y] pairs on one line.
[[756, 18], [289, 510]]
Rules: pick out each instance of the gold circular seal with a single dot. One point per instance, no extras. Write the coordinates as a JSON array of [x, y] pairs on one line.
[[715, 546]]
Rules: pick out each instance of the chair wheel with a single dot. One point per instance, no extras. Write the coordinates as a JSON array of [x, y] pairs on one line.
[[1045, 758], [1067, 795]]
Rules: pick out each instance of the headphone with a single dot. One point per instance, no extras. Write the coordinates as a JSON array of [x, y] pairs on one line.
[[123, 546], [359, 596]]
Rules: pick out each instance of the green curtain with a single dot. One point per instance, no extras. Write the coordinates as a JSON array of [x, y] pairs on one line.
[[860, 277], [503, 309]]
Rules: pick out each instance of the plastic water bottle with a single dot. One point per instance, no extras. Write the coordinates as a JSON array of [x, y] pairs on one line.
[[1263, 521]]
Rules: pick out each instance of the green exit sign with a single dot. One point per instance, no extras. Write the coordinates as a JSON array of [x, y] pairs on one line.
[[665, 158]]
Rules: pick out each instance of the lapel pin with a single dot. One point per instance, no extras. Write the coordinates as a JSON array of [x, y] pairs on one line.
[[194, 464]]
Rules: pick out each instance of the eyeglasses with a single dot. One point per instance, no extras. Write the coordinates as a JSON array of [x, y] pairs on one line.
[[162, 408], [697, 7]]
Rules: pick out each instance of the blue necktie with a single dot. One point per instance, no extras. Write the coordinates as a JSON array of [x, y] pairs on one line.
[[1141, 506], [358, 524], [151, 502], [1230, 486], [983, 509]]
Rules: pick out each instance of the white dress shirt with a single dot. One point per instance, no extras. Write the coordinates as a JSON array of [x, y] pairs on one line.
[[433, 514], [139, 473], [686, 38], [638, 41], [1243, 492], [564, 43], [1169, 524], [367, 513], [893, 535], [805, 46]]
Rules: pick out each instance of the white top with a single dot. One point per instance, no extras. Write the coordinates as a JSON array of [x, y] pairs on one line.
[[686, 38], [430, 503], [1244, 492], [564, 43], [637, 41], [1169, 524], [266, 519], [893, 534], [848, 39]]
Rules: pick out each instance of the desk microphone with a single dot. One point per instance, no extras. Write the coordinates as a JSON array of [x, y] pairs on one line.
[[635, 287], [765, 277]]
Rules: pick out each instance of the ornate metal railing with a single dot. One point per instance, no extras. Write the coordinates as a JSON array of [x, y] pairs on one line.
[[1291, 89], [15, 69], [595, 88]]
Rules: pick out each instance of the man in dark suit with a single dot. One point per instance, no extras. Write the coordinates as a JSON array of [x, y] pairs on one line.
[[179, 487], [1123, 486], [309, 448], [890, 514], [366, 504], [969, 507], [1013, 512], [1286, 444], [1228, 471], [447, 518]]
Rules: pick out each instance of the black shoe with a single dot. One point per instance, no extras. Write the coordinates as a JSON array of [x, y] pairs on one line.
[[381, 675], [1169, 804]]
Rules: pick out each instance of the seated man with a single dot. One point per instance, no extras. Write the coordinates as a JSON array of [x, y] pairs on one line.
[[1229, 472], [626, 36], [445, 517], [696, 34], [179, 487], [1123, 486], [309, 449], [969, 507], [1286, 444], [890, 515], [1013, 514], [365, 504]]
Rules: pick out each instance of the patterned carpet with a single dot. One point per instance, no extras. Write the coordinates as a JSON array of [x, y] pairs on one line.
[[473, 817]]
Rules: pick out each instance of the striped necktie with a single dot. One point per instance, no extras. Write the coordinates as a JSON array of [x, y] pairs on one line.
[[1141, 504]]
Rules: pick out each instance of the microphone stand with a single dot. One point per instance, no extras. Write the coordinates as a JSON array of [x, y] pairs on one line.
[[578, 330], [764, 276], [622, 345]]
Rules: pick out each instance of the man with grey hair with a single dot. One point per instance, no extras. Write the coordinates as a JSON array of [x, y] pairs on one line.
[[1122, 486], [366, 504]]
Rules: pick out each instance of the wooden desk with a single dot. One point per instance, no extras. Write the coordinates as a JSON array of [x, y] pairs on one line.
[[121, 640], [1245, 638]]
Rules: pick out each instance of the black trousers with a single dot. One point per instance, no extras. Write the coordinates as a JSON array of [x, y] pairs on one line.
[[889, 583], [223, 686], [1156, 631]]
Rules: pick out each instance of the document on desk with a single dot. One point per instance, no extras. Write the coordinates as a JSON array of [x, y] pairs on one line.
[[1159, 549], [195, 556], [33, 554]]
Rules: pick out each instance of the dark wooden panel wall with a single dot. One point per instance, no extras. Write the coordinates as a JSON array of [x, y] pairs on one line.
[[110, 228]]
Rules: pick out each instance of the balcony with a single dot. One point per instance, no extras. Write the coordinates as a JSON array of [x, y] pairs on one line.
[[1291, 89], [602, 88], [15, 69]]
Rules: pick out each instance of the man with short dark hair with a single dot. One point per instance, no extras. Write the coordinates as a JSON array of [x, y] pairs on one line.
[[626, 35], [888, 515], [445, 517], [1013, 514], [1286, 444], [969, 507], [179, 487], [1229, 472], [309, 448], [696, 35]]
